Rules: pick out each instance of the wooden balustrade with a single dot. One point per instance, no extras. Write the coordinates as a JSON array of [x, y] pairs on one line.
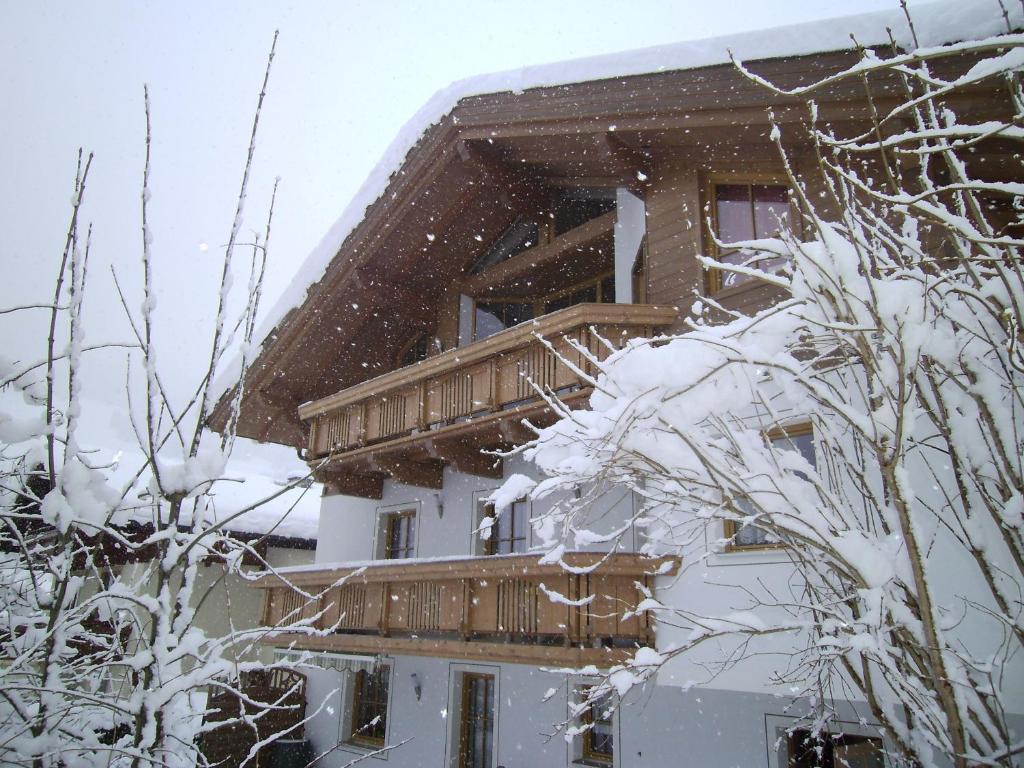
[[484, 607], [475, 380]]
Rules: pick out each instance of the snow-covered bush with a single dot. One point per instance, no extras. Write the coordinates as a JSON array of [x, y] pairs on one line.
[[896, 339], [101, 658]]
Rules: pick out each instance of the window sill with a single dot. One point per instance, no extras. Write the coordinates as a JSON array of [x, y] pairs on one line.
[[363, 746], [740, 291], [765, 555], [592, 763]]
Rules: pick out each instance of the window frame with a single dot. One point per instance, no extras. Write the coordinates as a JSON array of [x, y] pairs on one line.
[[590, 753], [731, 527], [355, 705], [464, 709], [713, 277], [453, 722], [385, 520]]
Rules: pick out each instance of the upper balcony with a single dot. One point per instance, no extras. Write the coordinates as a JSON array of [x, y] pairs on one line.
[[506, 607], [412, 421]]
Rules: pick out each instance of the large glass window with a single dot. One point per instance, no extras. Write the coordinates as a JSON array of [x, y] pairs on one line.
[[476, 738], [370, 706], [748, 212]]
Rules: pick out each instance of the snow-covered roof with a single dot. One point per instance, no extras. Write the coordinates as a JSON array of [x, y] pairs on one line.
[[935, 23], [252, 473]]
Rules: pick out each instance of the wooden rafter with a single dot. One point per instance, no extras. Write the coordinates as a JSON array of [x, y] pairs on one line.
[[532, 259]]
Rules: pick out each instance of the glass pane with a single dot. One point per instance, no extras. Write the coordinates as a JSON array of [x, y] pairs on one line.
[[771, 209], [517, 313], [560, 303], [858, 752], [751, 536], [489, 320], [586, 295], [608, 290], [732, 204], [494, 316]]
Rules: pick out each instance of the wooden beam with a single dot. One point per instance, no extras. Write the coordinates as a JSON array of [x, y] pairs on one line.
[[532, 259], [632, 159], [367, 486], [465, 457], [424, 474], [384, 293], [522, 193]]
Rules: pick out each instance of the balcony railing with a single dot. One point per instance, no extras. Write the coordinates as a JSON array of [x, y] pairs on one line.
[[477, 380], [503, 607]]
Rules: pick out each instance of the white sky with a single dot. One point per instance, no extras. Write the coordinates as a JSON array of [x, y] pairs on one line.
[[346, 77]]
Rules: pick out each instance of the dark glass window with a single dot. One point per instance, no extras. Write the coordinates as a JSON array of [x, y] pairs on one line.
[[476, 742], [522, 234], [584, 295], [415, 351], [494, 316], [370, 706], [572, 212], [400, 541], [833, 750], [608, 289], [749, 212], [508, 530]]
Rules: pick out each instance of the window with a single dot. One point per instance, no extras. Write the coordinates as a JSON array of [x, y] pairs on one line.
[[369, 706], [805, 750], [492, 316], [796, 437], [476, 733], [747, 212], [415, 350], [577, 207], [597, 742], [508, 531], [399, 535]]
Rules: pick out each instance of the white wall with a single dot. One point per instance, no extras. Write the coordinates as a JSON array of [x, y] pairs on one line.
[[445, 519]]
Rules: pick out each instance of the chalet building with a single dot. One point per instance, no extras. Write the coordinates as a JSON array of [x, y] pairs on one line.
[[567, 204]]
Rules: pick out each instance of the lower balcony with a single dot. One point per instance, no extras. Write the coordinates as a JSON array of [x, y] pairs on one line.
[[504, 608]]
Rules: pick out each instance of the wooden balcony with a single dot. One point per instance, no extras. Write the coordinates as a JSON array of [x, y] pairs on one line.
[[473, 608], [443, 410]]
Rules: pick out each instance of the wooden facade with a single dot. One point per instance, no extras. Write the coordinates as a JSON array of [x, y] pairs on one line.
[[496, 607]]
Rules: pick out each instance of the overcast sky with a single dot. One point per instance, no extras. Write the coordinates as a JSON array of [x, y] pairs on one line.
[[346, 78]]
